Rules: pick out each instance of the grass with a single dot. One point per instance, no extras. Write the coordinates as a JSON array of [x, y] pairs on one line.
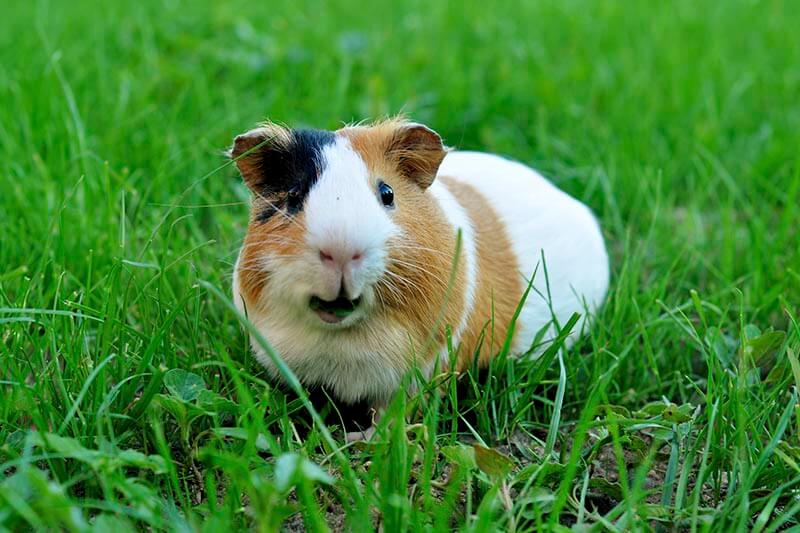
[[129, 398]]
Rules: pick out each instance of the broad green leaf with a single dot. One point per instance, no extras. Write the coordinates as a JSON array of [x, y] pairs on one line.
[[184, 385], [491, 462], [634, 443], [662, 434], [547, 474], [243, 434], [759, 348], [105, 460], [776, 374], [291, 468], [155, 463], [677, 414], [172, 405], [461, 455], [722, 346], [211, 401], [751, 331], [536, 499], [15, 439], [31, 501], [620, 411], [611, 489], [66, 446], [651, 410]]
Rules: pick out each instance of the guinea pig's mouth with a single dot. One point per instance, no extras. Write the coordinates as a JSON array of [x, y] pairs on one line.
[[333, 311]]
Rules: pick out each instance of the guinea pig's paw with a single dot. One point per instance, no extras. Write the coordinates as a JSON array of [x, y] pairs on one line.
[[358, 436], [365, 434]]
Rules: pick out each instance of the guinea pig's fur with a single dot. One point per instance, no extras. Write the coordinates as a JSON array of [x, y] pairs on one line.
[[323, 237]]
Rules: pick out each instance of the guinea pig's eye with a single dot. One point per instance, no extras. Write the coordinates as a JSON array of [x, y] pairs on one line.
[[387, 194], [294, 199]]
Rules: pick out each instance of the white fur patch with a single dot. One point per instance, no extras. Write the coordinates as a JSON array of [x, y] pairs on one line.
[[343, 214]]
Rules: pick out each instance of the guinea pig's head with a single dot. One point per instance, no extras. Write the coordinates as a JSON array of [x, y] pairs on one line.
[[336, 218]]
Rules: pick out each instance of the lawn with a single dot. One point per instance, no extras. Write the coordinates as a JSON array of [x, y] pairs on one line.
[[129, 398]]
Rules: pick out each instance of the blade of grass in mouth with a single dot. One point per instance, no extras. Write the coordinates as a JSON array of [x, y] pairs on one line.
[[339, 307]]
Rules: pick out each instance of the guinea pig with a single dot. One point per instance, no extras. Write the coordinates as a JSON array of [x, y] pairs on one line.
[[367, 244]]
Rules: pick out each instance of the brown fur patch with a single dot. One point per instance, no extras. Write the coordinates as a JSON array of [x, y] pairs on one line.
[[409, 149], [280, 235], [499, 288], [421, 265], [248, 146], [372, 143], [416, 292], [417, 151]]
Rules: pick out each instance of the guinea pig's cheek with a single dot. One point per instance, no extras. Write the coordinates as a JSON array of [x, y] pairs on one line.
[[289, 281]]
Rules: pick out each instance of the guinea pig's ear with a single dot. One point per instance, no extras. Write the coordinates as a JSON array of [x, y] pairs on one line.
[[257, 151], [417, 151]]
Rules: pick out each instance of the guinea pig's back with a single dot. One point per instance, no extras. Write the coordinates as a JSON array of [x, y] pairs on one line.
[[539, 220]]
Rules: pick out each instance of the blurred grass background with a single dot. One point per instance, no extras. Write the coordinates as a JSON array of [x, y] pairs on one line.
[[677, 122]]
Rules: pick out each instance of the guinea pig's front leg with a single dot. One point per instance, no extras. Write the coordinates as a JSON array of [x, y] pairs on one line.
[[366, 434]]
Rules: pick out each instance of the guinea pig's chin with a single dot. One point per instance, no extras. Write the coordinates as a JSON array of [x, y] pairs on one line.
[[353, 320]]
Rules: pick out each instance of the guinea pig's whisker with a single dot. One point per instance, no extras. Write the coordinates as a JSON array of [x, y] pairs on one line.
[[422, 268], [256, 267], [278, 209], [398, 246], [418, 268], [251, 266], [403, 280], [405, 286], [252, 261], [394, 243], [394, 292], [408, 260], [407, 290], [272, 240], [279, 240], [393, 277], [256, 264], [269, 202], [379, 294]]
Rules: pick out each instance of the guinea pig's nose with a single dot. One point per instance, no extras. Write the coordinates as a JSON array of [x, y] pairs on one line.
[[332, 256]]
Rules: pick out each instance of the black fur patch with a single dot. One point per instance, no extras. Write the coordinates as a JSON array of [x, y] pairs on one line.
[[291, 171]]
